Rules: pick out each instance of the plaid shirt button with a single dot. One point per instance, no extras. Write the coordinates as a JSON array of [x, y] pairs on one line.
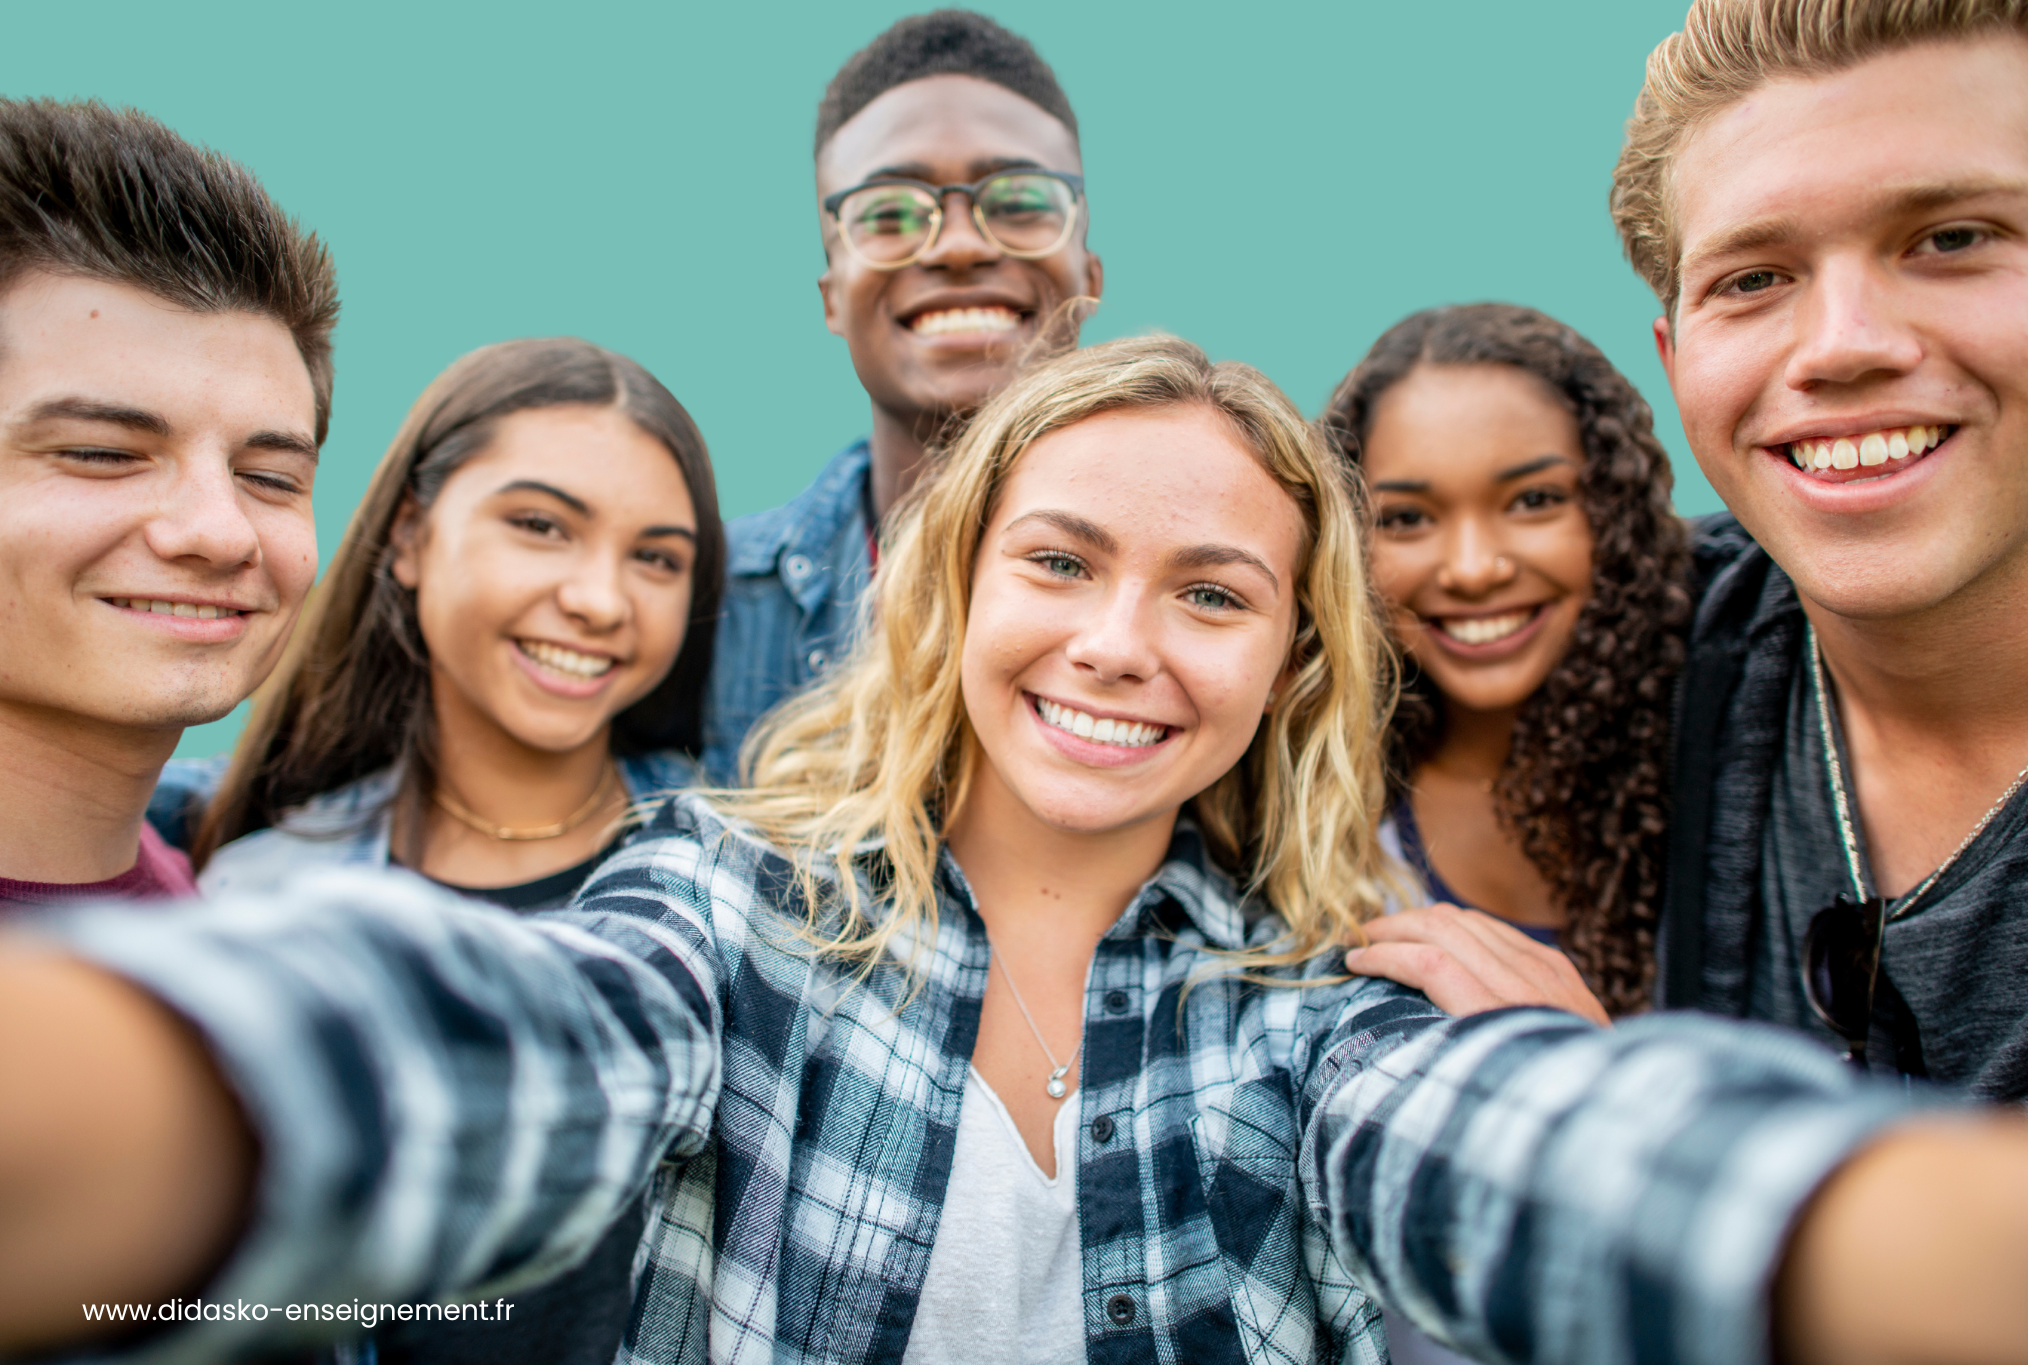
[[1102, 1128], [1120, 1308], [1117, 1001]]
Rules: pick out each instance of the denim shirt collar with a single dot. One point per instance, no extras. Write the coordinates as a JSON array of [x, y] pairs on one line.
[[800, 534]]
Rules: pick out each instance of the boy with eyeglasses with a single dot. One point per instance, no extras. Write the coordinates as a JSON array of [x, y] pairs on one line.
[[952, 209], [165, 383]]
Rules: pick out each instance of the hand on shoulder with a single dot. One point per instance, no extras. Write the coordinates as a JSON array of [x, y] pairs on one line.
[[1467, 961]]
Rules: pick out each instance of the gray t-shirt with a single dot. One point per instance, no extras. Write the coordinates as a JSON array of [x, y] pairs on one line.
[[1959, 955]]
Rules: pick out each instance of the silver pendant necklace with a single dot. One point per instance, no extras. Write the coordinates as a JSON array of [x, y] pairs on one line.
[[1056, 1085]]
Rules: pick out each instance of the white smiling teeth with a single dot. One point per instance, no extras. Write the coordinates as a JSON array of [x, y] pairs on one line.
[[567, 661], [1869, 451], [948, 320], [160, 608], [1126, 734], [1483, 630]]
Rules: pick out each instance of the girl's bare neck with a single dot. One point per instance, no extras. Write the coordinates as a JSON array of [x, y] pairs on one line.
[[504, 782]]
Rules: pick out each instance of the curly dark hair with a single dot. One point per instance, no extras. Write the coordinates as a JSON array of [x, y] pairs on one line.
[[1583, 789]]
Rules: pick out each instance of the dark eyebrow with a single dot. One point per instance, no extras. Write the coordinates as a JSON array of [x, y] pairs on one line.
[[683, 531], [1534, 466], [1402, 486], [155, 424], [286, 442], [1208, 556], [575, 504], [91, 410], [1090, 532]]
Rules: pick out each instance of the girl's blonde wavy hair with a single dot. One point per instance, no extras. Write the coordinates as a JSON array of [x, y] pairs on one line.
[[882, 749]]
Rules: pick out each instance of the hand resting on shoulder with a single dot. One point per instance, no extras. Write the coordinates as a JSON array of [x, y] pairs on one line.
[[1467, 961]]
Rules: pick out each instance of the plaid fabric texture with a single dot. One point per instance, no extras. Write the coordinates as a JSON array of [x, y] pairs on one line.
[[450, 1100]]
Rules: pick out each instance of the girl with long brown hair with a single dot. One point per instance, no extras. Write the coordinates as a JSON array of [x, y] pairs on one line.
[[1525, 546], [508, 652]]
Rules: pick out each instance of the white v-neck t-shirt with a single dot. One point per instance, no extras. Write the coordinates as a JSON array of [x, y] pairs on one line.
[[1006, 1276]]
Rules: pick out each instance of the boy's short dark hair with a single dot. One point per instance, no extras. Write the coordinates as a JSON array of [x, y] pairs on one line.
[[111, 194], [945, 42]]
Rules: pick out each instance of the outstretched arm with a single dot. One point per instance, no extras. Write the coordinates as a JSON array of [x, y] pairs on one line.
[[1916, 1250], [441, 1098], [125, 1162], [1527, 1187]]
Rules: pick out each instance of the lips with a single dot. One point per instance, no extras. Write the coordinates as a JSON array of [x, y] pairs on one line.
[[1486, 634]]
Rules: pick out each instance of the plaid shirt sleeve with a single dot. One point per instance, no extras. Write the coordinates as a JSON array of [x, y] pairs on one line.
[[1527, 1187], [446, 1098]]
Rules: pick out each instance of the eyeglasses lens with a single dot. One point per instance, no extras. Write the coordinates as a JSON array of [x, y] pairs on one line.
[[888, 224], [1841, 953], [1023, 215], [1026, 215]]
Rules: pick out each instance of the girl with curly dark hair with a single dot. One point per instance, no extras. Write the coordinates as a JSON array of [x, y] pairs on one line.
[[1534, 572]]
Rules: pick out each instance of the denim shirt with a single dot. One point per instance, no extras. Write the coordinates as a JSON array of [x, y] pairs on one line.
[[793, 578]]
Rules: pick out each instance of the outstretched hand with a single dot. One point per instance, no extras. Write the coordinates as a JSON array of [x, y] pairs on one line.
[[1467, 961]]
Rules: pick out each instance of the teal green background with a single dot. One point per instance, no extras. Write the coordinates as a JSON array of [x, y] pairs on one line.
[[1277, 182]]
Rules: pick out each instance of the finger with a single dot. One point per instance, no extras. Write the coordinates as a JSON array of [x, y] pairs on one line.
[[1508, 965], [1503, 959], [1430, 970]]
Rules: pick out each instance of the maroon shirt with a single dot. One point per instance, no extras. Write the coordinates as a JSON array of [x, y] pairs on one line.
[[160, 872]]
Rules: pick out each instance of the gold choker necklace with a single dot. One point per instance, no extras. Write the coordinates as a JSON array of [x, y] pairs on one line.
[[557, 830]]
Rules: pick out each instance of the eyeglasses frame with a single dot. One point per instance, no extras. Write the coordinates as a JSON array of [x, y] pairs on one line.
[[835, 202]]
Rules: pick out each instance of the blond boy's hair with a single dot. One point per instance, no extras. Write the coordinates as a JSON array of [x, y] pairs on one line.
[[1729, 48]]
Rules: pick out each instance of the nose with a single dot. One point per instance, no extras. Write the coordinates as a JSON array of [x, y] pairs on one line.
[[594, 594], [959, 245], [1849, 329], [202, 517], [1114, 641], [1473, 565]]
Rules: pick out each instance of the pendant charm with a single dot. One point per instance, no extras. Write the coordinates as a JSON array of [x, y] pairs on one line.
[[1056, 1087]]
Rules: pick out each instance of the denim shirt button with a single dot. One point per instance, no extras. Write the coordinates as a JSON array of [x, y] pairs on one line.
[[1117, 1001], [797, 567], [818, 658], [1102, 1128], [1120, 1308]]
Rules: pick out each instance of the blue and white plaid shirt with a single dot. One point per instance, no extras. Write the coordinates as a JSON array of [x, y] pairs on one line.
[[452, 1101]]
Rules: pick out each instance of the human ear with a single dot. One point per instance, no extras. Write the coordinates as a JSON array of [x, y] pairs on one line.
[[1094, 275], [827, 287], [406, 537], [1665, 347]]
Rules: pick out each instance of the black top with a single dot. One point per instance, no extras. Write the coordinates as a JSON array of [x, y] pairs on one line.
[[1755, 851], [1417, 856], [551, 892], [579, 1317]]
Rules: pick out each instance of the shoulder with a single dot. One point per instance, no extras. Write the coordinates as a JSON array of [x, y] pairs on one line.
[[184, 788], [694, 862], [1737, 586], [347, 825], [754, 542], [659, 772]]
